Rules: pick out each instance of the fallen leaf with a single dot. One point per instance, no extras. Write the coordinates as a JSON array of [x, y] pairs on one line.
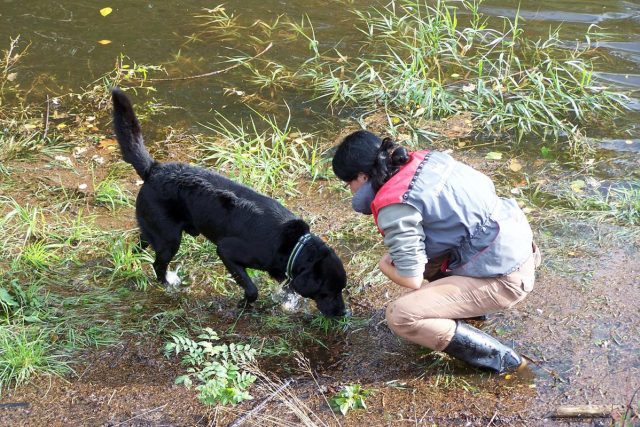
[[515, 165], [104, 41], [395, 120], [105, 11], [108, 144], [469, 88], [577, 185], [508, 377], [493, 155], [461, 144], [12, 76], [61, 126]]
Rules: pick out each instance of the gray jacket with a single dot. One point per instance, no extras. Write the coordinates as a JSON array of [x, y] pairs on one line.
[[460, 215]]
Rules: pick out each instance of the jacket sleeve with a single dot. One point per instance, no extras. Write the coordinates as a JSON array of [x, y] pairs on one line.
[[404, 238]]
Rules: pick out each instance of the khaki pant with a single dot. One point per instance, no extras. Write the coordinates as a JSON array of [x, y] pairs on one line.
[[425, 316]]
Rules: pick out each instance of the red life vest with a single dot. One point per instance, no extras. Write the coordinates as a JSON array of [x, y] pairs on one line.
[[394, 189]]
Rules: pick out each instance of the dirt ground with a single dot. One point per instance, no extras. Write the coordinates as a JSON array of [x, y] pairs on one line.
[[579, 328]]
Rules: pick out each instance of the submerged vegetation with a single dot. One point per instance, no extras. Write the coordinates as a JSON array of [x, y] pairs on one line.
[[424, 62], [418, 62]]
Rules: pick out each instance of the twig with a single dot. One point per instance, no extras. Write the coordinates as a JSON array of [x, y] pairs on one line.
[[238, 421], [46, 120], [14, 405], [630, 405], [492, 418], [584, 411], [139, 415], [213, 73]]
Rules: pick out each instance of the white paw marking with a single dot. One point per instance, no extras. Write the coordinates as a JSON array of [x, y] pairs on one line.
[[172, 279]]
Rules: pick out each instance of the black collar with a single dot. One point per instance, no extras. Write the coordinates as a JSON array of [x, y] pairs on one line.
[[297, 249]]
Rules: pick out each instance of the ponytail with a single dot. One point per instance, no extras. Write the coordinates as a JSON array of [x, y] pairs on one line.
[[391, 157]]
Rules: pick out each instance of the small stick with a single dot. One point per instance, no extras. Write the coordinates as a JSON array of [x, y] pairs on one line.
[[46, 120], [144, 413], [238, 421], [14, 405], [212, 73], [584, 411]]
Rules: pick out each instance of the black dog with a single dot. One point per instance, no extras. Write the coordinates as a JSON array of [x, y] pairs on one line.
[[249, 229]]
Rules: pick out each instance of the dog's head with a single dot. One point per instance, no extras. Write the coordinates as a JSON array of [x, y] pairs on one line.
[[320, 276]]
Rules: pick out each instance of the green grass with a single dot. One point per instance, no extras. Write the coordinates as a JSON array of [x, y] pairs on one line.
[[271, 161], [424, 62], [126, 263], [616, 205], [418, 61], [110, 193], [24, 353]]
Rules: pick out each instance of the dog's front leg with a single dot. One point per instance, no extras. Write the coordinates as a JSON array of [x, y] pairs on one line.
[[229, 250]]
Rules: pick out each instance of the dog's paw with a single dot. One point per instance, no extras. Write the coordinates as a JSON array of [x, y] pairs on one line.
[[172, 279]]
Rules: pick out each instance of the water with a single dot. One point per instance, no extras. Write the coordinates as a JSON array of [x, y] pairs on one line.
[[64, 53]]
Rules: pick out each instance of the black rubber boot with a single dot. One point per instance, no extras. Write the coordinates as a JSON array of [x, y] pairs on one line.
[[481, 350]]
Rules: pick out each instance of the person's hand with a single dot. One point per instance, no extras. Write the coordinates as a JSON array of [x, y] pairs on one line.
[[386, 260]]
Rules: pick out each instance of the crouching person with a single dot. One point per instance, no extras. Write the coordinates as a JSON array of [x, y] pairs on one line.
[[442, 221]]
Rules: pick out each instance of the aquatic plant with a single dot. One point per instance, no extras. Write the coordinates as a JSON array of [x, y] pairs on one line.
[[420, 62]]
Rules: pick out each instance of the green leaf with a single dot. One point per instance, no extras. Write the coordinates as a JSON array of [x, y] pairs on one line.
[[493, 155], [546, 152], [577, 186], [344, 408], [7, 299]]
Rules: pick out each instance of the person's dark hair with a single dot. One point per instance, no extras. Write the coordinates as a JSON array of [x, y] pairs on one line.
[[362, 151]]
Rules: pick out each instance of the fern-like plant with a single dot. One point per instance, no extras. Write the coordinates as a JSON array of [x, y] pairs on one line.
[[217, 369]]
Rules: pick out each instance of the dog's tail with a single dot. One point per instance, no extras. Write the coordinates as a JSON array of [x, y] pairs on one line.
[[129, 134]]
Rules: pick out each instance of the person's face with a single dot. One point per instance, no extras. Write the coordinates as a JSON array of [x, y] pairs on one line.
[[355, 184]]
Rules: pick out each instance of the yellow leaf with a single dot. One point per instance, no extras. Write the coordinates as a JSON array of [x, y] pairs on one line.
[[577, 185], [515, 165], [105, 11], [61, 126], [493, 155], [508, 377], [108, 144], [104, 41], [395, 120]]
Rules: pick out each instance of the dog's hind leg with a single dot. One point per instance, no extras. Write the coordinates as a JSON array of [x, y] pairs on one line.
[[230, 251], [166, 245], [165, 251]]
